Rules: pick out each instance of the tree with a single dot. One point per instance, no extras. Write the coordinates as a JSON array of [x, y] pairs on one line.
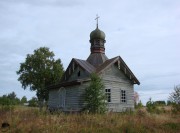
[[7, 102], [175, 98], [151, 107], [160, 103], [12, 95], [40, 70], [23, 100], [95, 95], [33, 102]]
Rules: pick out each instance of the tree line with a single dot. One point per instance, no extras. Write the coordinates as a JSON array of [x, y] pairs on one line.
[[11, 99]]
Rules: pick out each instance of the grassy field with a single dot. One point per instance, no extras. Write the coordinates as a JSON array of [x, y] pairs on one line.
[[30, 120]]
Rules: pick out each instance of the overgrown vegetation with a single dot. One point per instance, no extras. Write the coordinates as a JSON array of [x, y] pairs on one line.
[[175, 99], [9, 101], [95, 95], [30, 120]]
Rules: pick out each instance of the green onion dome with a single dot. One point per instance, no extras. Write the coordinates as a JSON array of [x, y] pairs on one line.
[[97, 34]]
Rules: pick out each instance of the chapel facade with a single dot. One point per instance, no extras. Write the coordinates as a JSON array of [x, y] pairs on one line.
[[116, 76]]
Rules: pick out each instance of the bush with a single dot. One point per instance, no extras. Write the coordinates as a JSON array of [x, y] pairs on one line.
[[152, 107], [33, 102], [94, 96], [139, 105], [175, 108], [175, 99], [160, 103]]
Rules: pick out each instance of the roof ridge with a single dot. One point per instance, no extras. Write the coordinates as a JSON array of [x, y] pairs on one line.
[[83, 64]]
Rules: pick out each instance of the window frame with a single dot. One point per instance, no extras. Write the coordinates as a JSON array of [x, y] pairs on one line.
[[108, 95], [123, 96]]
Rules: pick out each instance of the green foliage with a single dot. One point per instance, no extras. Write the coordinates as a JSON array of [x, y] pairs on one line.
[[169, 103], [23, 100], [172, 126], [9, 99], [139, 105], [7, 102], [40, 70], [175, 99], [152, 107], [160, 103], [33, 102], [95, 95]]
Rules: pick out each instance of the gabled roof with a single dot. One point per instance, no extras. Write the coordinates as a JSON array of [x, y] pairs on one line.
[[80, 63], [85, 65], [121, 65], [106, 64]]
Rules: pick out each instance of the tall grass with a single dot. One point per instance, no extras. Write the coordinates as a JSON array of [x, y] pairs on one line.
[[30, 120]]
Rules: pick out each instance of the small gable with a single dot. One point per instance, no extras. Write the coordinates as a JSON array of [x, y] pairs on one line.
[[78, 73], [112, 73], [119, 64], [77, 69]]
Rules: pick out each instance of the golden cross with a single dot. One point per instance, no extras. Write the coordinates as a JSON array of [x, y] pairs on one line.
[[97, 17]]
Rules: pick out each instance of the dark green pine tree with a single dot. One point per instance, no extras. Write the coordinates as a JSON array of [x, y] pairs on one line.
[[95, 95]]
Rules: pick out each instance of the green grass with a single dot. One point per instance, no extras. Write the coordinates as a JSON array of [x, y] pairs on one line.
[[30, 120]]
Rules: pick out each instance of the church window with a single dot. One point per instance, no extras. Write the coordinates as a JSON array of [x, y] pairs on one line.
[[108, 95], [123, 96], [79, 74]]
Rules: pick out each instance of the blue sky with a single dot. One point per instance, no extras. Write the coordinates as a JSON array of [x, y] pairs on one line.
[[145, 33]]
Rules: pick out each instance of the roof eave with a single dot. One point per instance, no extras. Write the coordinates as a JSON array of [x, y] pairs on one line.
[[69, 83]]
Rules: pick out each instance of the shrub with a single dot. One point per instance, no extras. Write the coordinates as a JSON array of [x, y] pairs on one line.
[[139, 105], [152, 107], [95, 96], [175, 99], [33, 102]]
